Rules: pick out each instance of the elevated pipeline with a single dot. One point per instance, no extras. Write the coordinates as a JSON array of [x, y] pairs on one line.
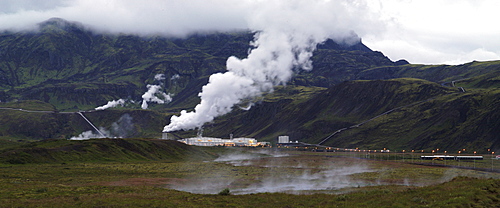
[[88, 121]]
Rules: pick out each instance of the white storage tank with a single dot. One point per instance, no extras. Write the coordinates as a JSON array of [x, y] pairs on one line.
[[283, 139]]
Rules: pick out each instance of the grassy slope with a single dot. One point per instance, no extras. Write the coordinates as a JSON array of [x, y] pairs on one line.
[[325, 111], [436, 116], [460, 120], [488, 80], [451, 121], [435, 73], [102, 150]]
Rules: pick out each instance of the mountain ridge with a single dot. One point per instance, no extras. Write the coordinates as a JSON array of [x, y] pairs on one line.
[[67, 67]]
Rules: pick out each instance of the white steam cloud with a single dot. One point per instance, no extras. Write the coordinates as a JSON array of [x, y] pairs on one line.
[[160, 77], [284, 41], [86, 135], [155, 95], [112, 104]]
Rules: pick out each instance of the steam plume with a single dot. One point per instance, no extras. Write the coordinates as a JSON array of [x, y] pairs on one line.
[[160, 77], [284, 41], [111, 104], [90, 135], [151, 96]]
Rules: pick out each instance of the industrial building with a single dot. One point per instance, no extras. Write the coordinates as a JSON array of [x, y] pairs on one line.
[[283, 139], [211, 141]]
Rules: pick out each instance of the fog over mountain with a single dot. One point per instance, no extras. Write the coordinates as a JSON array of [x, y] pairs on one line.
[[440, 31]]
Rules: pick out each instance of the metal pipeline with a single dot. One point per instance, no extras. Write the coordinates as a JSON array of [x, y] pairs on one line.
[[81, 114]]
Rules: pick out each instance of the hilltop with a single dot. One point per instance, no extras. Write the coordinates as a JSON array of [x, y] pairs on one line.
[[103, 150]]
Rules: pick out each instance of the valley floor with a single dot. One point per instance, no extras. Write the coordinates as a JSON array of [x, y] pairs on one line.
[[254, 179]]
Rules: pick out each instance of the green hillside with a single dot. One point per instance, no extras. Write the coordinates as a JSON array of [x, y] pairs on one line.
[[328, 110], [420, 115], [74, 68], [103, 150], [45, 123], [65, 68], [435, 73]]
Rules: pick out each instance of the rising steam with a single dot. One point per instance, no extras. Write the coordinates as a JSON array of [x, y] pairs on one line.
[[155, 95], [284, 41], [280, 173], [111, 104]]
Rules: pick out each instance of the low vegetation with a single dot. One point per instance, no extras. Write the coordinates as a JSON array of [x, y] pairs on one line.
[[151, 183]]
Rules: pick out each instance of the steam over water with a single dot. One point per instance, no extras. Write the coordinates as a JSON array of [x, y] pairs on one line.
[[277, 173], [271, 171], [330, 178]]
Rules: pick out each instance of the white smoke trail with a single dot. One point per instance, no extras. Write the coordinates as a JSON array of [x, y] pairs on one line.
[[111, 104], [287, 33], [151, 96]]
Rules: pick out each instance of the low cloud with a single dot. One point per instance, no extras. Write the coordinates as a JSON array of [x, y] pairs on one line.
[[440, 31], [152, 17]]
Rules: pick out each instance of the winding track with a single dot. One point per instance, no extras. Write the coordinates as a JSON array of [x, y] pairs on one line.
[[29, 111], [35, 111], [366, 121], [452, 83]]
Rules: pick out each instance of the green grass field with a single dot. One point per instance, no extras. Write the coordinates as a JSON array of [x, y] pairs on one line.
[[253, 177]]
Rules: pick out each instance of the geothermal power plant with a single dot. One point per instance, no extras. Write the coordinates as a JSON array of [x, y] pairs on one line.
[[213, 141]]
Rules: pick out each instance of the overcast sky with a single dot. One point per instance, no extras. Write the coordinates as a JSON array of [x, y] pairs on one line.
[[420, 31]]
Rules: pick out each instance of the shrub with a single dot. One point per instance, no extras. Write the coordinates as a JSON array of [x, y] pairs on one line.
[[225, 192]]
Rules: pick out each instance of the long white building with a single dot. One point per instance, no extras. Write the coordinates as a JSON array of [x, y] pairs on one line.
[[211, 141]]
